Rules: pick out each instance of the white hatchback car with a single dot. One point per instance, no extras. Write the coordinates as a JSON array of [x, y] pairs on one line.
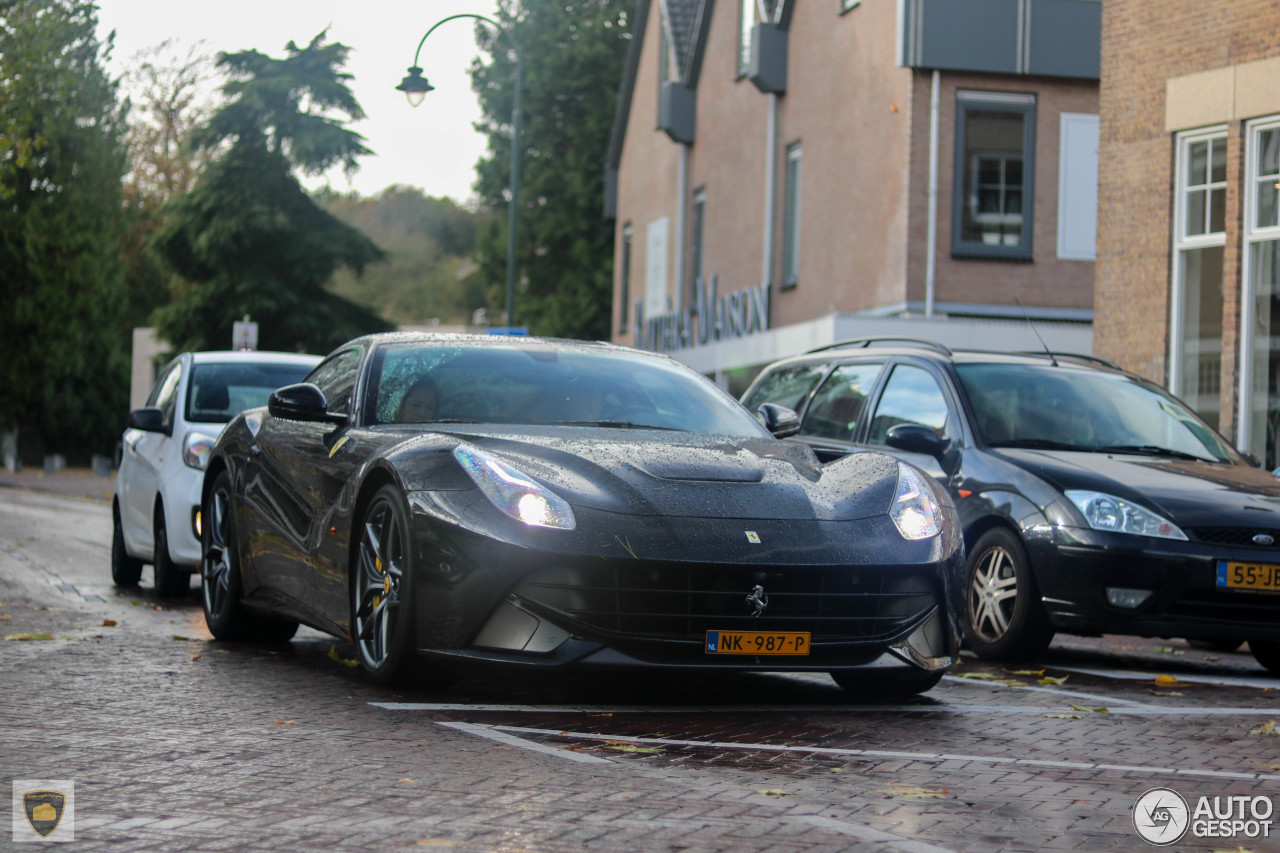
[[156, 507]]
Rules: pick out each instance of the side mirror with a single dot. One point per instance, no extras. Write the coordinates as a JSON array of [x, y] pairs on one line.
[[149, 419], [914, 438], [779, 420], [301, 402]]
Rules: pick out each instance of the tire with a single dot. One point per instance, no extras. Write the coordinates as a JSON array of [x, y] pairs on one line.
[[171, 581], [1004, 617], [381, 597], [220, 586], [1266, 653], [125, 570], [1220, 646], [878, 686]]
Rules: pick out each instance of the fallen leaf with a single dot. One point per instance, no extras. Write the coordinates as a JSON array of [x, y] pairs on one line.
[[1166, 692], [41, 635], [1025, 671], [1267, 729], [1049, 679], [599, 715], [1268, 690], [1099, 709], [195, 655], [349, 663], [631, 748], [917, 793], [405, 781], [286, 722], [181, 638], [5, 618], [1166, 680], [1264, 764], [773, 792], [1169, 650], [1063, 716], [980, 676], [108, 623]]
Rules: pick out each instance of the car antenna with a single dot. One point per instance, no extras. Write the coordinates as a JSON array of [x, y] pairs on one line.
[[1047, 351]]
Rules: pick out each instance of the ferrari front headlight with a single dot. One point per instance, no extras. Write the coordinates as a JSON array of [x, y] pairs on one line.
[[1117, 515], [915, 508], [513, 491]]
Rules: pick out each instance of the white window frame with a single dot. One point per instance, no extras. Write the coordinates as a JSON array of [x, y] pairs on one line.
[[1182, 243], [1252, 234]]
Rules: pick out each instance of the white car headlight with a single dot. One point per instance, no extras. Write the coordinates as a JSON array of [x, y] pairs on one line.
[[1116, 515], [915, 509], [514, 492], [196, 448]]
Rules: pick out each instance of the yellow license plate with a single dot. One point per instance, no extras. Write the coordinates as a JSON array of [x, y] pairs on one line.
[[1259, 577], [757, 642]]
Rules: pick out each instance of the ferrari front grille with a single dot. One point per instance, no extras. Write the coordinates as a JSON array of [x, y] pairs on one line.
[[679, 601]]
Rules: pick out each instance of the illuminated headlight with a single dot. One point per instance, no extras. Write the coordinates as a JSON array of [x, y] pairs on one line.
[[514, 492], [1115, 515], [915, 509], [196, 449]]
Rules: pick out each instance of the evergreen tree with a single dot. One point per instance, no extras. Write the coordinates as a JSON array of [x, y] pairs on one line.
[[64, 339], [572, 54], [247, 239]]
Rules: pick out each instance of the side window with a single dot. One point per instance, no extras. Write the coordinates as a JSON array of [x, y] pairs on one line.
[[911, 396], [838, 404], [164, 395], [336, 378], [787, 387]]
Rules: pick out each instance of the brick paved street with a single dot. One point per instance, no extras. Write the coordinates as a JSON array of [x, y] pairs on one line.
[[176, 742]]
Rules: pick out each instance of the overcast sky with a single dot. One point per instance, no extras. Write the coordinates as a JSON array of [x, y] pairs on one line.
[[432, 147]]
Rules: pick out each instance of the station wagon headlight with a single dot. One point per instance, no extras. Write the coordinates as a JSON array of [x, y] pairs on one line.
[[915, 508], [196, 448], [514, 492], [1116, 515]]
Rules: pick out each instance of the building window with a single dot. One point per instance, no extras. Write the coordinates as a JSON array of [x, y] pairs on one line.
[[624, 280], [697, 241], [1199, 242], [791, 220], [746, 20], [1260, 350], [994, 166]]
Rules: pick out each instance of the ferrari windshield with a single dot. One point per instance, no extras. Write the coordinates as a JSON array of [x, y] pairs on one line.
[[547, 385], [1062, 408]]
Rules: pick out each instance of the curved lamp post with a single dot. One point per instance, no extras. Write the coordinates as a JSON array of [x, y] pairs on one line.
[[415, 87]]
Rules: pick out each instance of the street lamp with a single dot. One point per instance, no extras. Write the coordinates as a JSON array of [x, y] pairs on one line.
[[415, 87]]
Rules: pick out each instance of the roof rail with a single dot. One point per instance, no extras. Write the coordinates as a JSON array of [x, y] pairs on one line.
[[1093, 358], [866, 342]]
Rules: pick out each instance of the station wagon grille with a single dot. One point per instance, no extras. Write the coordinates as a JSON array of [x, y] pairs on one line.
[[679, 601], [1241, 608], [1236, 536]]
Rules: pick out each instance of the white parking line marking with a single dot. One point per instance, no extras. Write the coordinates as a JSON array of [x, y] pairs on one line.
[[1130, 710], [492, 733], [879, 753], [1059, 691]]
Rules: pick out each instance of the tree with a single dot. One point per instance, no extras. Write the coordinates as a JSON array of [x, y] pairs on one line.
[[572, 53], [247, 239], [63, 337]]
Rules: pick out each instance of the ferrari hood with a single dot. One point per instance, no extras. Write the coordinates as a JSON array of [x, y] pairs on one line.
[[1190, 493], [649, 472]]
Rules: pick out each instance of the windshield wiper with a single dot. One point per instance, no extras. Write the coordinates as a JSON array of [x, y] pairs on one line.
[[612, 424], [1039, 444], [1154, 450]]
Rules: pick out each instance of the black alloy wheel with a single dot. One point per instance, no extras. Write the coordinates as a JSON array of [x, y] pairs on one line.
[[171, 581], [220, 585], [381, 602], [1004, 617], [1266, 653], [125, 570], [880, 686]]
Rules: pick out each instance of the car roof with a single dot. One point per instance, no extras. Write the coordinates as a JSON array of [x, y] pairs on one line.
[[862, 347], [253, 356]]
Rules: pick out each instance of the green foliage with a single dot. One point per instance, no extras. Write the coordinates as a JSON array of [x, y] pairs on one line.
[[64, 336], [428, 275], [247, 239], [572, 53]]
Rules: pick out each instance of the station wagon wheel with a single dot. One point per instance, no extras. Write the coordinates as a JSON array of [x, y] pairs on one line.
[[220, 584], [1004, 617], [381, 620], [125, 570]]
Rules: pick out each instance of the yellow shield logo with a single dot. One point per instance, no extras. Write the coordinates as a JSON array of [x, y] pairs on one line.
[[43, 810]]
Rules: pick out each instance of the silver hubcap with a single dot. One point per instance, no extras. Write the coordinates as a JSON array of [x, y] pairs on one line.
[[377, 587], [992, 595], [216, 569]]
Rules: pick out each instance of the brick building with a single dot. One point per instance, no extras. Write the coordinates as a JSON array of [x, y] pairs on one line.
[[1188, 288], [784, 174]]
